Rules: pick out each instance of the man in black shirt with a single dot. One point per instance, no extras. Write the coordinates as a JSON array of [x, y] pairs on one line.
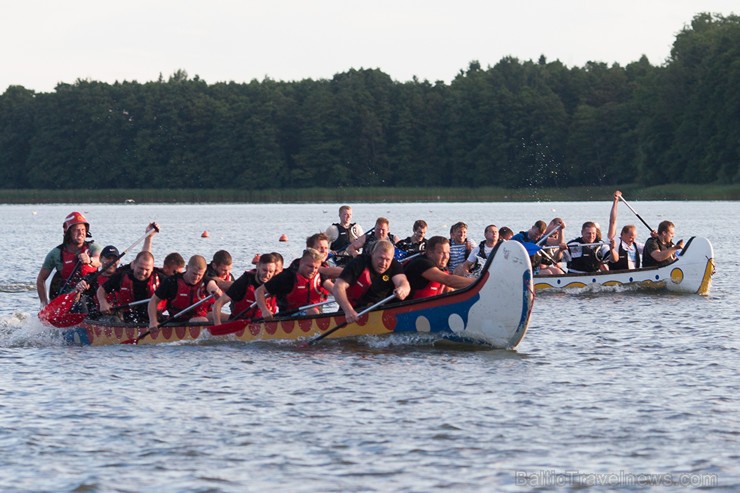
[[370, 278]]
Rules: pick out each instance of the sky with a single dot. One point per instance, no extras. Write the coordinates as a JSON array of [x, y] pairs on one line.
[[47, 42]]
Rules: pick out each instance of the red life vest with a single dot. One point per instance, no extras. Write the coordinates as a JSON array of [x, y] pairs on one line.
[[433, 288], [238, 306], [188, 295], [110, 297], [126, 293], [305, 292], [357, 290], [69, 262]]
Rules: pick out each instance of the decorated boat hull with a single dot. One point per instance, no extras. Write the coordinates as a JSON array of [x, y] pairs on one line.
[[493, 311], [691, 274]]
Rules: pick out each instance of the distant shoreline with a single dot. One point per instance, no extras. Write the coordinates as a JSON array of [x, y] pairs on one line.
[[369, 194]]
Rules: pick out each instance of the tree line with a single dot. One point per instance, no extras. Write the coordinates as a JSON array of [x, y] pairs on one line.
[[515, 124]]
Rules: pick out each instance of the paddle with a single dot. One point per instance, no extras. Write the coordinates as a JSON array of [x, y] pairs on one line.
[[236, 324], [576, 244], [635, 213], [345, 323], [129, 305], [533, 248], [56, 313], [169, 320], [406, 259], [77, 268]]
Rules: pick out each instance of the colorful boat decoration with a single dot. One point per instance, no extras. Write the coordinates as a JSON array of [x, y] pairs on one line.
[[691, 273], [493, 311]]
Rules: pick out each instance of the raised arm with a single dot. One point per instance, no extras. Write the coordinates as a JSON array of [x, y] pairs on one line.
[[154, 228], [354, 247], [611, 234]]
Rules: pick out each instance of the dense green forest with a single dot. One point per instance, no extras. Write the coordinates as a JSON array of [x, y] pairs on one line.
[[514, 124]]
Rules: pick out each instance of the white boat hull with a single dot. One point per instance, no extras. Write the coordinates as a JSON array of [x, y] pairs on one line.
[[691, 274]]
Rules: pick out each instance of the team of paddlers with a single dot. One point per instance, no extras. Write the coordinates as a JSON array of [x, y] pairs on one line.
[[358, 268]]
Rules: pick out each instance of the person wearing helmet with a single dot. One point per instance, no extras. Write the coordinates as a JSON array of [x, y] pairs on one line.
[[72, 259]]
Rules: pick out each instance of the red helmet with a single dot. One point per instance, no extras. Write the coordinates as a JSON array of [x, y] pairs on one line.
[[75, 218]]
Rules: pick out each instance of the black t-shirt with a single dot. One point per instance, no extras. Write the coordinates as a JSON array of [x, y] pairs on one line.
[[414, 270], [167, 289], [281, 284], [381, 285], [238, 289]]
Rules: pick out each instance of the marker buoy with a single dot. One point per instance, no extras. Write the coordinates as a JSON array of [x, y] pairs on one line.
[[204, 234], [256, 259], [283, 237]]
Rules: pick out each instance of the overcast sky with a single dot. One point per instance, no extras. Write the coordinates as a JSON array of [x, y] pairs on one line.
[[44, 42]]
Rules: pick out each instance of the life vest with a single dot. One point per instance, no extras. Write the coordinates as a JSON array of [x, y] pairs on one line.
[[109, 297], [305, 292], [370, 240], [239, 306], [482, 250], [410, 247], [623, 262], [357, 290], [433, 288], [69, 262], [126, 293], [583, 258], [342, 240], [188, 295]]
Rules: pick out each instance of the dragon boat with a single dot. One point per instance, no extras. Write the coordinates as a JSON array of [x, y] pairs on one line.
[[691, 273], [493, 311]]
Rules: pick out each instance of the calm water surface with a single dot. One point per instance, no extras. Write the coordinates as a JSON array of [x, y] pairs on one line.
[[621, 387]]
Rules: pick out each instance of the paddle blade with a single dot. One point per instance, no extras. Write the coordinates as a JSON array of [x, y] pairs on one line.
[[531, 248], [228, 328], [57, 312]]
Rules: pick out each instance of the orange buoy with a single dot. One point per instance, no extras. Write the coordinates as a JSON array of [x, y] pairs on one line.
[[283, 237], [256, 259], [204, 234]]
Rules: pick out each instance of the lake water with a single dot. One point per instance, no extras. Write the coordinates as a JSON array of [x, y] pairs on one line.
[[624, 388]]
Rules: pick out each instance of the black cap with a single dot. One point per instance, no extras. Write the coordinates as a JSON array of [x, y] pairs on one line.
[[109, 251]]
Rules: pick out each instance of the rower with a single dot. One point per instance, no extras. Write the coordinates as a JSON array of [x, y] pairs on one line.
[[415, 243], [660, 251], [181, 291], [460, 245], [585, 253], [483, 250], [428, 275], [370, 278], [297, 287], [73, 259], [342, 234], [625, 252], [241, 293], [219, 270], [381, 231], [136, 282]]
